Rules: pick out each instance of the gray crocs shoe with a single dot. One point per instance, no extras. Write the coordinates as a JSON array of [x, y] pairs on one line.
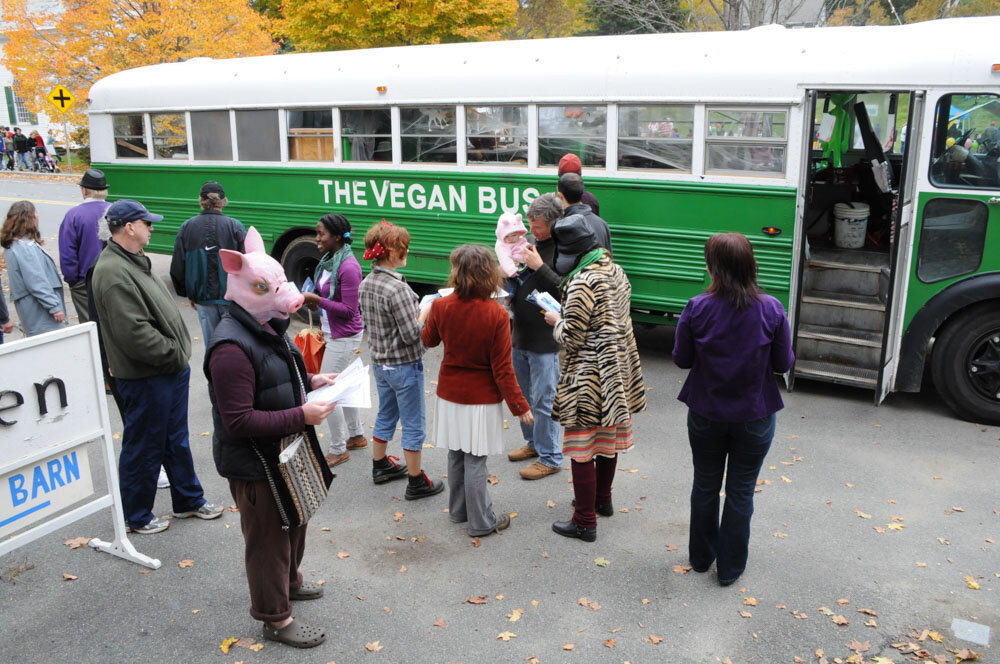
[[296, 634]]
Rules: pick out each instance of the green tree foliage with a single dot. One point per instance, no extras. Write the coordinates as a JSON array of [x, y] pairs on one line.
[[549, 18], [345, 24]]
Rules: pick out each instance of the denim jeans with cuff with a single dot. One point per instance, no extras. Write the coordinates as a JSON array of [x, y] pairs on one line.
[[401, 399]]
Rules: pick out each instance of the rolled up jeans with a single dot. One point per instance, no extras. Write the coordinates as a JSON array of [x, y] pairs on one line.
[[344, 422]]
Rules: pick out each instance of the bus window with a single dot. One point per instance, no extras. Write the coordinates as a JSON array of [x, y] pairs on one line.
[[655, 137], [310, 135], [582, 130], [745, 141], [169, 136], [210, 135], [497, 134], [966, 145], [952, 238], [130, 137], [366, 134], [257, 135], [428, 134]]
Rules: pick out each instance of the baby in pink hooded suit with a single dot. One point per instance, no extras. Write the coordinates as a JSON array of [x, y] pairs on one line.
[[510, 242]]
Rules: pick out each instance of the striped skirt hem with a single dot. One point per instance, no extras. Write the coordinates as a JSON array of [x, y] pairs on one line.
[[582, 445]]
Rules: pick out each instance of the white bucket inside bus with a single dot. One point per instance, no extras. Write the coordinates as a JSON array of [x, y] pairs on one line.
[[850, 223]]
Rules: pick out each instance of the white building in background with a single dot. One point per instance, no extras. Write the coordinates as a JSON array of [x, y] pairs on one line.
[[12, 110]]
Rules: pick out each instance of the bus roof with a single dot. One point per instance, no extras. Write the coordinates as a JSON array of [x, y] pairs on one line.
[[769, 62]]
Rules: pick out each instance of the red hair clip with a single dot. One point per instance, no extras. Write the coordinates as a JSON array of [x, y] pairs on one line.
[[377, 251], [386, 223]]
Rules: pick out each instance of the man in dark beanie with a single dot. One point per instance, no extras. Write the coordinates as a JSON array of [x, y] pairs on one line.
[[195, 269]]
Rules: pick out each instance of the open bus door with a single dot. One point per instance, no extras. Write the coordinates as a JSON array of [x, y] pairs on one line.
[[899, 251]]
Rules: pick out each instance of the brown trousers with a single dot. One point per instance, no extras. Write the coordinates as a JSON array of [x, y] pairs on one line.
[[272, 554]]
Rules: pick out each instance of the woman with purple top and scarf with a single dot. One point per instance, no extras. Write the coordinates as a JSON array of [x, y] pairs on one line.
[[734, 339], [337, 278]]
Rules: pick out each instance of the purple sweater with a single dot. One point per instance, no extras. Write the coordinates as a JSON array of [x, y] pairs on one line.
[[733, 355], [341, 310], [79, 244]]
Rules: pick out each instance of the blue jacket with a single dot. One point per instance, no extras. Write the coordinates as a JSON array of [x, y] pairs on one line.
[[35, 286]]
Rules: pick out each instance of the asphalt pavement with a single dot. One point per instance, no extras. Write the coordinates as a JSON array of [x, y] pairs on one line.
[[871, 527]]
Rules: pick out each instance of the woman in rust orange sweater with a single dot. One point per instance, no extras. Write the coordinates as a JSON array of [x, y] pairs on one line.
[[476, 374]]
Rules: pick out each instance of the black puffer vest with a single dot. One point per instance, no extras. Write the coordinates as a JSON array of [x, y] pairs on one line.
[[274, 359]]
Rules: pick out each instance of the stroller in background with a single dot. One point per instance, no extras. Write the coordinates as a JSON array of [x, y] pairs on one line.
[[43, 161]]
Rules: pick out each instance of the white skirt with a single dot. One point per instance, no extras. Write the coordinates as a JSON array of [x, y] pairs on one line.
[[476, 429]]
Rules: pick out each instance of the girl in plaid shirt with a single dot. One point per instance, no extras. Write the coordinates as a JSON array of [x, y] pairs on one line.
[[391, 316]]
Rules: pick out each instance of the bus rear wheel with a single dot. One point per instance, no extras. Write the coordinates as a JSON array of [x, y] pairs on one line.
[[299, 259], [966, 364]]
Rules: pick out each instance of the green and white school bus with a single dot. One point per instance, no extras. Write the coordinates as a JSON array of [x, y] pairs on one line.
[[862, 163]]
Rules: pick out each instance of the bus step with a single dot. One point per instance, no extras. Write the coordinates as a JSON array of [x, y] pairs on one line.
[[849, 259], [841, 335], [869, 302], [841, 374]]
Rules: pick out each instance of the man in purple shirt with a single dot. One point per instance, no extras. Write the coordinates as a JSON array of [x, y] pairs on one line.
[[79, 244]]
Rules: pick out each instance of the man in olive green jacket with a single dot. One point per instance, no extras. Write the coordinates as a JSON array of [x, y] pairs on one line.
[[148, 347]]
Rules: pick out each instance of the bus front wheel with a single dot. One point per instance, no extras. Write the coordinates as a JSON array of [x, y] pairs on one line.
[[966, 364], [299, 259]]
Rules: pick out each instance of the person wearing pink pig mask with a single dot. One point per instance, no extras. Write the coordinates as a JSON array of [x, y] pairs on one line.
[[257, 382]]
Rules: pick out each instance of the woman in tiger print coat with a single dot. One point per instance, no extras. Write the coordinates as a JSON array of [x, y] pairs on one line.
[[600, 382]]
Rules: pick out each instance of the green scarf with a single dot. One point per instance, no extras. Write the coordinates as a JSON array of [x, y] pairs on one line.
[[588, 258], [331, 263]]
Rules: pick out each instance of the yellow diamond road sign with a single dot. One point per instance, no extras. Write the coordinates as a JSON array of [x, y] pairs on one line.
[[61, 98]]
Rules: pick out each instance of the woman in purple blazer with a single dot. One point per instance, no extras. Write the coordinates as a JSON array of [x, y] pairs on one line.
[[734, 339]]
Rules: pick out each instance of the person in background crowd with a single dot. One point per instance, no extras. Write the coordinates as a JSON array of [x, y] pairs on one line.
[[148, 347], [337, 278], [475, 374], [256, 382], [571, 191], [596, 406], [21, 146], [570, 163], [389, 310], [535, 353], [6, 324], [733, 339], [79, 241], [6, 149], [37, 149], [36, 288], [50, 142], [195, 269]]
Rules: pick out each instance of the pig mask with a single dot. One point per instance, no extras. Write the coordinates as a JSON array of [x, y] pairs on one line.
[[257, 282]]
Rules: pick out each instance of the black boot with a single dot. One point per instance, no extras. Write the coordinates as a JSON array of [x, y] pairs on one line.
[[570, 529], [421, 486], [606, 509], [386, 469]]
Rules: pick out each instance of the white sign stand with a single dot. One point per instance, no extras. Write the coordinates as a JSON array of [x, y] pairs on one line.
[[52, 404]]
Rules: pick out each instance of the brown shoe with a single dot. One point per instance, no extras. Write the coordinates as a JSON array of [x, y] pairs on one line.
[[356, 442], [336, 459], [522, 453], [537, 471]]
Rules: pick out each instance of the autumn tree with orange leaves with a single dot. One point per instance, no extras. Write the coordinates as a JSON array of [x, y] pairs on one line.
[[91, 39], [334, 25]]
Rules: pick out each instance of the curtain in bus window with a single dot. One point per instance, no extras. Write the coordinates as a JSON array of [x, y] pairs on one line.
[[428, 134], [745, 141], [366, 134], [130, 136], [496, 134], [581, 130], [169, 136], [655, 137], [210, 135], [966, 144], [257, 135]]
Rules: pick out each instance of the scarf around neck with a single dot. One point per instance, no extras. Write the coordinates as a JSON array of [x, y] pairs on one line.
[[588, 258], [331, 262]]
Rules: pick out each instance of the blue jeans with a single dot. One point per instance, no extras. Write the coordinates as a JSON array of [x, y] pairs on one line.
[[209, 316], [401, 398], [22, 159], [156, 434], [744, 445], [537, 374]]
